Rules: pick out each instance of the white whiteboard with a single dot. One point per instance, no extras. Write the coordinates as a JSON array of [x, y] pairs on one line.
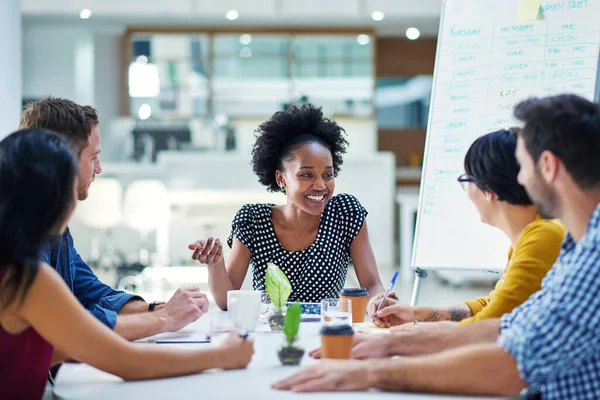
[[486, 62]]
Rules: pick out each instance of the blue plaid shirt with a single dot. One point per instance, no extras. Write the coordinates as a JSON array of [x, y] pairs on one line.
[[555, 335]]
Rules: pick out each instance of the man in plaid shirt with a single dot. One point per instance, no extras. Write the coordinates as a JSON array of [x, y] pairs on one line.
[[554, 335], [551, 343]]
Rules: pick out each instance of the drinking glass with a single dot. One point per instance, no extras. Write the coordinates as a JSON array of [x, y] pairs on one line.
[[336, 311], [265, 304]]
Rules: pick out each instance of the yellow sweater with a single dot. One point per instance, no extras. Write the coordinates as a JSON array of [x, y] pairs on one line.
[[535, 253]]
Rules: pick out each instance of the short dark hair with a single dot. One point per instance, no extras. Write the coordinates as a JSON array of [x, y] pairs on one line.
[[491, 163], [285, 132], [38, 170], [65, 117], [569, 126]]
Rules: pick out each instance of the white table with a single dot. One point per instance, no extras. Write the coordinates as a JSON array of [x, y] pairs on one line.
[[82, 382]]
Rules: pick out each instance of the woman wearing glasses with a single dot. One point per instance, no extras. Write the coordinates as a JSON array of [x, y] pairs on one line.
[[491, 184]]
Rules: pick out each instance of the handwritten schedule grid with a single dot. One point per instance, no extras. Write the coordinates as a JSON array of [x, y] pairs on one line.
[[487, 62]]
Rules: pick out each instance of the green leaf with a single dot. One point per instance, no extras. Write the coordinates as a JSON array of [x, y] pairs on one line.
[[278, 286], [292, 321]]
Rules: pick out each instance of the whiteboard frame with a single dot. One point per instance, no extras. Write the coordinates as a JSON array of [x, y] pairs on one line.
[[413, 267], [438, 47]]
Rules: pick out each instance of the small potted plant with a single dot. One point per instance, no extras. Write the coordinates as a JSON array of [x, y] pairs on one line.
[[289, 353], [278, 288]]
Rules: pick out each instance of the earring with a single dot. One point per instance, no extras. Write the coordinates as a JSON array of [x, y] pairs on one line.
[[282, 186]]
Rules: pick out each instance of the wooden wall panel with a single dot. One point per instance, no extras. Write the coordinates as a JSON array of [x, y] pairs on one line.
[[403, 57], [403, 142], [398, 57]]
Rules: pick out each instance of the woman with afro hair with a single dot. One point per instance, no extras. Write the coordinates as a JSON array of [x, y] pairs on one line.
[[313, 236]]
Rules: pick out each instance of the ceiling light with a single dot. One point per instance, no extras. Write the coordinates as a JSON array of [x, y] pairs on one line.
[[142, 60], [144, 112], [377, 15], [363, 39], [246, 52], [412, 33], [245, 39], [86, 13], [232, 15]]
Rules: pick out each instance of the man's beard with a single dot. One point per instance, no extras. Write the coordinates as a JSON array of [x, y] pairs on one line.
[[545, 211], [543, 197], [82, 193]]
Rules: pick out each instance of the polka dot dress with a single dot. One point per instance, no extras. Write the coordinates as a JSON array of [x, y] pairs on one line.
[[316, 272]]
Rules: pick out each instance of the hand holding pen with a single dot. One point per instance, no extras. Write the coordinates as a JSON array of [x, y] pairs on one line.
[[238, 349], [385, 296]]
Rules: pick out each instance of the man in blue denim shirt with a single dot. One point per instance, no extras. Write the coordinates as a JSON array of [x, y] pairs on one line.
[[100, 299], [129, 315], [549, 344]]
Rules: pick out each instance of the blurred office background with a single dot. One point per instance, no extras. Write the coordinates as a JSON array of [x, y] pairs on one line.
[[181, 86]]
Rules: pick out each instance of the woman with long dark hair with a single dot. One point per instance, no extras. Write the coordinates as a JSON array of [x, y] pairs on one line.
[[38, 313]]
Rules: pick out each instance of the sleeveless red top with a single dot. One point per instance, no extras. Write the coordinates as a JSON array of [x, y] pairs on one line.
[[24, 363]]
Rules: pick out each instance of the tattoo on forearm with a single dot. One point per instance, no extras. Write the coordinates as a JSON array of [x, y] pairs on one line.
[[454, 314], [433, 317], [458, 314]]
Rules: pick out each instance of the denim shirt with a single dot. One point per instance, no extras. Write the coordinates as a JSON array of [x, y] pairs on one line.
[[101, 300]]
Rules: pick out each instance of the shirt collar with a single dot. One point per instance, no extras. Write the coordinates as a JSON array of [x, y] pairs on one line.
[[592, 233]]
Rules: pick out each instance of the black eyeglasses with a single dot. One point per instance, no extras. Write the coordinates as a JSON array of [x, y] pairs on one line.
[[464, 181]]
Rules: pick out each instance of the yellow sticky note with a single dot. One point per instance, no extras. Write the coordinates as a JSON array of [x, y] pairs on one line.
[[529, 10]]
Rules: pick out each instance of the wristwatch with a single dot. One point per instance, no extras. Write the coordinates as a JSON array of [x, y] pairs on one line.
[[152, 305]]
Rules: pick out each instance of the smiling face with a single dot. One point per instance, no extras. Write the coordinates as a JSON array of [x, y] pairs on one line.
[[89, 163], [308, 178]]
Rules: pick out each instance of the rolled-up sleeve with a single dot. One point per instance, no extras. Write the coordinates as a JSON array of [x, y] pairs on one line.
[[560, 333], [100, 299]]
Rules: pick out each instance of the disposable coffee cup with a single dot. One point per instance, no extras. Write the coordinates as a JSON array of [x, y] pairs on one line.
[[336, 341], [359, 298]]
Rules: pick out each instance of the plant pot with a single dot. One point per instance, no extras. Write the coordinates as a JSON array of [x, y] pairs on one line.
[[276, 318], [290, 355]]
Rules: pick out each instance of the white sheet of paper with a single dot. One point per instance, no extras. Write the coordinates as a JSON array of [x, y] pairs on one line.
[[181, 336], [371, 328]]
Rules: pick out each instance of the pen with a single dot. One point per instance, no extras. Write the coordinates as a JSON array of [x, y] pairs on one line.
[[387, 292], [181, 341]]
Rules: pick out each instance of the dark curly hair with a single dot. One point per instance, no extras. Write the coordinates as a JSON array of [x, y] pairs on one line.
[[287, 131]]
